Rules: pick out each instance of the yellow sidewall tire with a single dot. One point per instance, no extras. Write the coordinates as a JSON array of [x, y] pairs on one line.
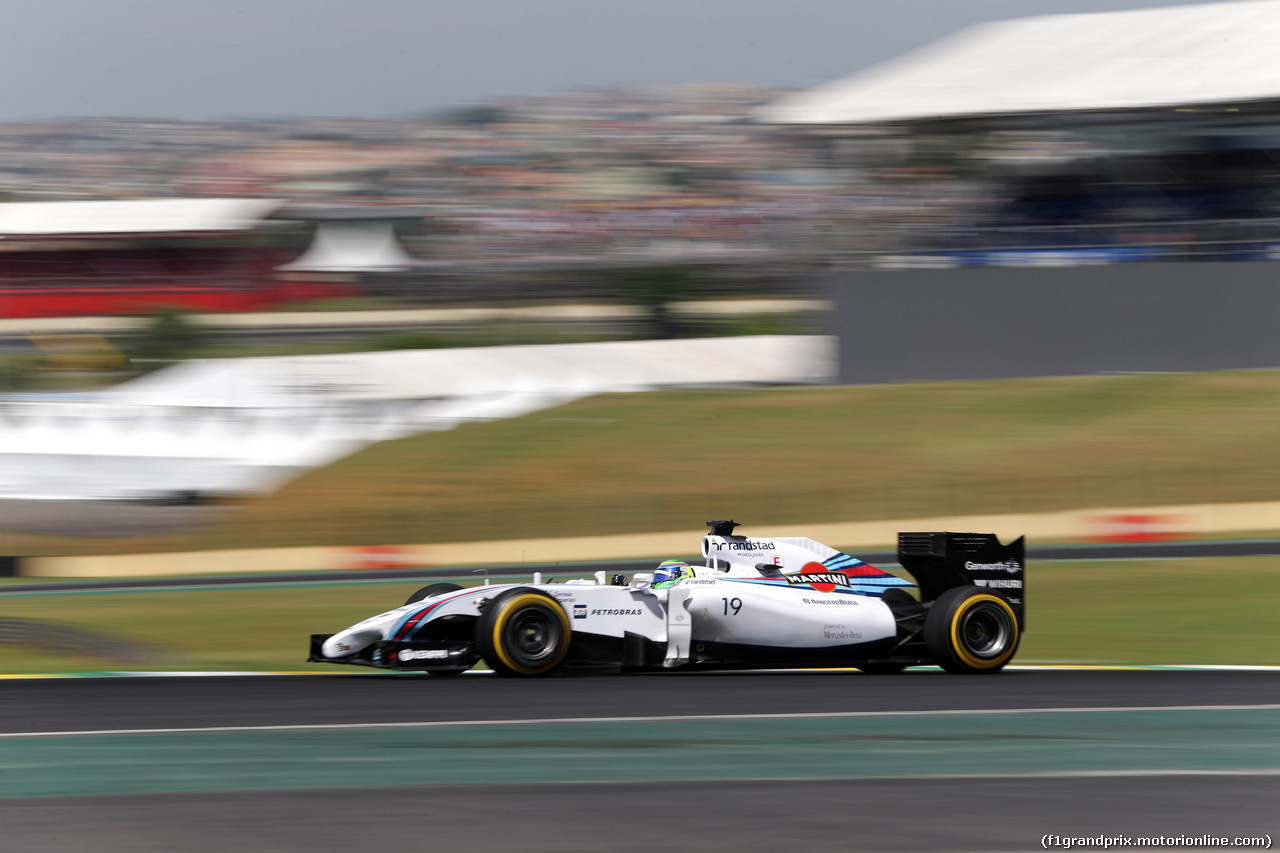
[[948, 619], [970, 660], [495, 624]]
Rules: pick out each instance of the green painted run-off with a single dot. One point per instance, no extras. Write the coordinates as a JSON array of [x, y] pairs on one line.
[[1004, 744]]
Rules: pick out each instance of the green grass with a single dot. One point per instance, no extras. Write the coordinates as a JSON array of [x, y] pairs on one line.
[[1210, 611], [491, 333], [1130, 612], [209, 629], [670, 460], [509, 332]]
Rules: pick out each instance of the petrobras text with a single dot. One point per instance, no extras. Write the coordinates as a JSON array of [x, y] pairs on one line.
[[407, 655]]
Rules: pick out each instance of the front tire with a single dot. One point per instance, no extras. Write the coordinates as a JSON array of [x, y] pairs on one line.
[[971, 629], [523, 633]]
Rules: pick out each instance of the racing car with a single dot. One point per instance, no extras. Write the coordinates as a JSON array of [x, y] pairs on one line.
[[756, 602]]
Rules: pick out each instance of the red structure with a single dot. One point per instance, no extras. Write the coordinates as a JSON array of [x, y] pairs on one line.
[[138, 257]]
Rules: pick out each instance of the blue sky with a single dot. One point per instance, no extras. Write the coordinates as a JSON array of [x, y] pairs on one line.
[[213, 59]]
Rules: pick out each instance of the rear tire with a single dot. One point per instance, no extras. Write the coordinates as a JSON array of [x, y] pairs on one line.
[[523, 633], [432, 591], [971, 629]]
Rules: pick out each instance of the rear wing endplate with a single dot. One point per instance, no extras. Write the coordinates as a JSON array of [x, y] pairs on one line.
[[940, 561]]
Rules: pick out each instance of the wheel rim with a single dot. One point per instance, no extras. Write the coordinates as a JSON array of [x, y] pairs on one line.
[[533, 636], [985, 631]]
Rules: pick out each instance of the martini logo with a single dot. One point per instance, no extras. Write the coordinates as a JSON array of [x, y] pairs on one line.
[[821, 581]]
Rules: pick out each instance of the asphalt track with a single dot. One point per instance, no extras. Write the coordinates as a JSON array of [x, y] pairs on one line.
[[920, 760], [37, 705]]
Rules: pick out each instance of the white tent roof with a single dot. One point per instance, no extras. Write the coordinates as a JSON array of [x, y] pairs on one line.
[[141, 216], [243, 425], [1203, 54], [353, 247]]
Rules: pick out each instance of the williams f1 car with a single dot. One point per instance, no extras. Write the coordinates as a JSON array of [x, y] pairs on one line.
[[757, 602]]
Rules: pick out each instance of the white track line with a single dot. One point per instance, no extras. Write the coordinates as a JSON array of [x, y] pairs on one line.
[[670, 718], [930, 777], [1153, 667], [924, 777]]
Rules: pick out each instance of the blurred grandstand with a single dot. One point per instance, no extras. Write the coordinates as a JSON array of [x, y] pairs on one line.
[[1057, 140], [1144, 135], [534, 199], [1137, 135], [135, 256]]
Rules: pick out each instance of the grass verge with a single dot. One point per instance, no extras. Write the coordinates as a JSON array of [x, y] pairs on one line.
[[670, 460], [1128, 612]]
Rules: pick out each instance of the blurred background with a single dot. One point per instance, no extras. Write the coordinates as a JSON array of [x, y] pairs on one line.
[[310, 276], [189, 303], [304, 302]]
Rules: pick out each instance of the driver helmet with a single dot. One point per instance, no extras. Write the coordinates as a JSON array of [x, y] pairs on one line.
[[670, 571]]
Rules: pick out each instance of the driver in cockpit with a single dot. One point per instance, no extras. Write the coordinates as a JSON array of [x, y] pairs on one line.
[[670, 571]]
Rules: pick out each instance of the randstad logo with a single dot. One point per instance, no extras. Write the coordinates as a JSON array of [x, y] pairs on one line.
[[746, 545]]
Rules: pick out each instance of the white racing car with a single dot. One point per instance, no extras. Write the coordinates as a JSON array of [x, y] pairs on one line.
[[756, 602]]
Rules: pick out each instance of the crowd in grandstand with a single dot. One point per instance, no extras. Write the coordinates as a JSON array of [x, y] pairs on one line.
[[636, 175], [683, 172]]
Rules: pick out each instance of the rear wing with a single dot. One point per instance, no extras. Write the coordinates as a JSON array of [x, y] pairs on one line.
[[940, 561]]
